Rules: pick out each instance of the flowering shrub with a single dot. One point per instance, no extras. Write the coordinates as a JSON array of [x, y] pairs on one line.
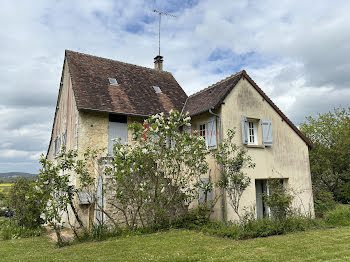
[[156, 177]]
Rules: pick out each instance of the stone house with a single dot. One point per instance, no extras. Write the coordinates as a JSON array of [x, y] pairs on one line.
[[99, 97]]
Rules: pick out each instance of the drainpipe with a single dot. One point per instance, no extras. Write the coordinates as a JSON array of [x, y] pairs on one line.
[[223, 201]]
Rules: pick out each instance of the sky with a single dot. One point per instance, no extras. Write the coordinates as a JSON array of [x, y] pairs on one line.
[[298, 52]]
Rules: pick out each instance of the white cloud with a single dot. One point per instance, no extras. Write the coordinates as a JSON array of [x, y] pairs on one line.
[[297, 52]]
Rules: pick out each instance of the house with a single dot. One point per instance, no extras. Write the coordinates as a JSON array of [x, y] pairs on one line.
[[99, 97]]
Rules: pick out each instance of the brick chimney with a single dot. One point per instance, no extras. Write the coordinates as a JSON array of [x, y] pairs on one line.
[[158, 63]]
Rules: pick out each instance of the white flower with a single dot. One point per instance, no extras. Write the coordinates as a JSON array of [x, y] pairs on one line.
[[144, 150]]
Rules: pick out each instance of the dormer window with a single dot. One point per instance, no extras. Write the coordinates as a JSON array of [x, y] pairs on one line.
[[113, 81], [157, 89]]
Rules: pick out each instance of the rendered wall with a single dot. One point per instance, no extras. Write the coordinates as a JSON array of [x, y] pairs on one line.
[[66, 115], [288, 157]]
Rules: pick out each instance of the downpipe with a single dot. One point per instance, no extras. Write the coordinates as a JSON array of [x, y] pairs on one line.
[[223, 201]]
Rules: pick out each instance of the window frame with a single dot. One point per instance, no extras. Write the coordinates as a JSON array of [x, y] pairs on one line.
[[255, 130], [202, 132]]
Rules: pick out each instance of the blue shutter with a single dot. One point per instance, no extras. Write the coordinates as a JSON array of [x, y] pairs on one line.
[[244, 130], [116, 130], [211, 133], [267, 132]]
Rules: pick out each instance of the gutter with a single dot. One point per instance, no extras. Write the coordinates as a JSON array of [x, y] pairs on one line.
[[223, 200]]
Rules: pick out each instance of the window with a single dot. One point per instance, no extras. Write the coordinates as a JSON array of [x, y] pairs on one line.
[[157, 89], [113, 81], [252, 133], [202, 130]]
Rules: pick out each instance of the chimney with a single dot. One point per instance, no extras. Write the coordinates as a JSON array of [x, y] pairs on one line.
[[158, 63]]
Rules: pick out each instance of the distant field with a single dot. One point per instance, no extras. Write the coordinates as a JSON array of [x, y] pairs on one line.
[[5, 188]]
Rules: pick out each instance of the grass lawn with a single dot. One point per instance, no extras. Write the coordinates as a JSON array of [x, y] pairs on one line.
[[182, 245]]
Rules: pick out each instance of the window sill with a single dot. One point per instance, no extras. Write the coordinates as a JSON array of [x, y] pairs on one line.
[[255, 146]]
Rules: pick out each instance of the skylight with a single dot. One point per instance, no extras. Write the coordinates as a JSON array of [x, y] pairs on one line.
[[113, 81], [157, 89]]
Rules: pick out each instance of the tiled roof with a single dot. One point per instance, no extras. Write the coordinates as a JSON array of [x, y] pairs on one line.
[[213, 96], [133, 96]]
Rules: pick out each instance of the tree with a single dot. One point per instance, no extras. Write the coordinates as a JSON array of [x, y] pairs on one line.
[[54, 187], [329, 159], [156, 177], [233, 160], [25, 203]]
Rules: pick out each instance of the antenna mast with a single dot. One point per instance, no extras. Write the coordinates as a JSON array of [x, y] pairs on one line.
[[160, 13]]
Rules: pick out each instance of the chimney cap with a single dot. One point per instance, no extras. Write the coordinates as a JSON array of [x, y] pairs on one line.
[[158, 57], [158, 63]]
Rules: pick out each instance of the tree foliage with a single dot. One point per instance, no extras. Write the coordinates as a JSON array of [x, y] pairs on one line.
[[329, 159], [233, 160], [156, 177], [26, 205]]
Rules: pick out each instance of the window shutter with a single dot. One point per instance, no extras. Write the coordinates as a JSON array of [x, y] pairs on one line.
[[267, 132], [64, 135], [244, 130], [54, 146], [58, 144], [116, 130], [211, 133]]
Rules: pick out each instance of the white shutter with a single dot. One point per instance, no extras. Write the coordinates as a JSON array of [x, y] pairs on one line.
[[244, 130], [267, 132], [211, 133], [116, 130]]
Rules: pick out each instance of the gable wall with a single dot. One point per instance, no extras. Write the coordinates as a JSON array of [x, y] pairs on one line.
[[66, 116], [287, 158]]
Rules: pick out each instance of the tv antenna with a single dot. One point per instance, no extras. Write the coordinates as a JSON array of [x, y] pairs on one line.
[[160, 13]]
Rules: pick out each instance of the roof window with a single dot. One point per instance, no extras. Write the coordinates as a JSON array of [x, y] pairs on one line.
[[113, 81], [157, 89]]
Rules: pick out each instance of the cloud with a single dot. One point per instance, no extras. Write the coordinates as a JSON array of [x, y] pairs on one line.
[[296, 51]]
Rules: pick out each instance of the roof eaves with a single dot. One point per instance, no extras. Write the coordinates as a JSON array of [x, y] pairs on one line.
[[284, 117], [58, 99], [111, 112]]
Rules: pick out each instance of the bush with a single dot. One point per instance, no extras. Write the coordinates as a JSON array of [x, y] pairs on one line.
[[10, 229], [340, 216], [250, 227], [324, 202], [26, 204]]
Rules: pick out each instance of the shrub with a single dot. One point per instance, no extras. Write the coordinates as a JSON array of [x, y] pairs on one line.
[[279, 200], [26, 204], [340, 216], [10, 229], [324, 202]]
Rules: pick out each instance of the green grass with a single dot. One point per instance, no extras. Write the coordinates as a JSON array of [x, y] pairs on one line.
[[185, 245]]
